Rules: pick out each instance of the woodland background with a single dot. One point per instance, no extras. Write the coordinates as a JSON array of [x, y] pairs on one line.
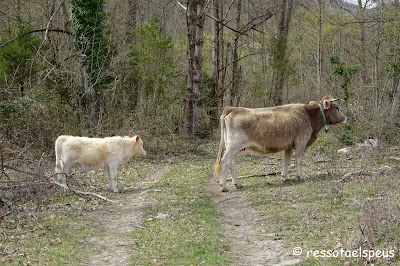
[[165, 69]]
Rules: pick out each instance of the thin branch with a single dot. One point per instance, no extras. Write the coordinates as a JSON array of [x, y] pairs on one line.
[[256, 175], [85, 193], [242, 31], [364, 22], [34, 31], [213, 18], [51, 19], [230, 63], [57, 183]]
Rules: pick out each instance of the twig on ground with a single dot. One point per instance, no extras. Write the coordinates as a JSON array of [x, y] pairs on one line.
[[255, 175], [352, 174], [4, 215], [57, 183], [85, 193]]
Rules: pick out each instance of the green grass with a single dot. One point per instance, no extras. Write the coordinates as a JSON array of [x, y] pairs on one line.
[[53, 236], [322, 213], [190, 235]]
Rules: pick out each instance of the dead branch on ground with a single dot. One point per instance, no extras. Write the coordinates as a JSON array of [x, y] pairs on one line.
[[255, 175], [353, 174], [43, 176]]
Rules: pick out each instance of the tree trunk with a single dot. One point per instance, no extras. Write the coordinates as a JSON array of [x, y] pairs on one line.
[[215, 58], [395, 108], [195, 23], [132, 86], [235, 64], [280, 59], [319, 52], [131, 19], [361, 19]]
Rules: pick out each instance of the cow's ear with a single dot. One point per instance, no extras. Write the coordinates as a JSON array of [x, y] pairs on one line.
[[326, 104], [312, 102]]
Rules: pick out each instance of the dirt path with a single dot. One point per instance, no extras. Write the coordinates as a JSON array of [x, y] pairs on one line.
[[116, 247], [249, 245]]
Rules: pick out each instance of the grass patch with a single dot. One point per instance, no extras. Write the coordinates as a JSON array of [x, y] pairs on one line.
[[327, 212], [188, 233], [51, 233]]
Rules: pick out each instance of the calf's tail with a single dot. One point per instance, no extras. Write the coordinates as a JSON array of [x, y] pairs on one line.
[[58, 151]]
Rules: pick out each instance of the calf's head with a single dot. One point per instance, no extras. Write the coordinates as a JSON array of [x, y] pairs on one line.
[[332, 111], [138, 146]]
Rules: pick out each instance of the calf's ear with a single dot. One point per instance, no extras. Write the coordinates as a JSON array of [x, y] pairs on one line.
[[326, 104], [312, 102]]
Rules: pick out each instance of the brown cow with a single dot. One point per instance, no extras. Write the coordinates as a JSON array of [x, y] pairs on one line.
[[270, 130]]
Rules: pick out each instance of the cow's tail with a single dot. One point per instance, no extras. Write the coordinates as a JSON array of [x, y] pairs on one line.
[[217, 167], [58, 151]]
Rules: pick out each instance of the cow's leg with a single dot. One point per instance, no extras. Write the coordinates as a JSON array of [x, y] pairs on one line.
[[226, 163], [299, 158], [286, 162], [112, 173], [234, 175]]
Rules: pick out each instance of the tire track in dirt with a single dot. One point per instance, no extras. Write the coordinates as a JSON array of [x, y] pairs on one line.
[[117, 220], [248, 244]]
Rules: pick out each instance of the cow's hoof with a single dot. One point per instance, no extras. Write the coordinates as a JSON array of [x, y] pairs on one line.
[[225, 189], [238, 186]]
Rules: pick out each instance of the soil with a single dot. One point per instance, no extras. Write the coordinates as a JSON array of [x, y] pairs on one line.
[[249, 245], [115, 248]]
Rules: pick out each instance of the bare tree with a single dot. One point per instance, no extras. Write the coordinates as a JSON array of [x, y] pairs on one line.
[[280, 51], [131, 18], [215, 58], [395, 108], [195, 22], [361, 19], [319, 50], [235, 63]]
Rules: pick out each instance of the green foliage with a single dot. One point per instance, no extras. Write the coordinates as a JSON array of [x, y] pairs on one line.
[[153, 63], [347, 134], [276, 51], [90, 37], [320, 144], [338, 68], [15, 109], [14, 58]]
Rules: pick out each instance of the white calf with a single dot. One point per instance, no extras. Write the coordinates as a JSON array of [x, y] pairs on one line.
[[96, 153]]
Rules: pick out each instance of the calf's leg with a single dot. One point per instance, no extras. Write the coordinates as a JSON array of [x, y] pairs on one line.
[[112, 173], [63, 172]]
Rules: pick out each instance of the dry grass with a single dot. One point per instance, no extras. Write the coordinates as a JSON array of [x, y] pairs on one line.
[[346, 201]]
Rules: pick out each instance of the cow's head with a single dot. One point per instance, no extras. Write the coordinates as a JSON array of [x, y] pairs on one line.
[[138, 146], [332, 111]]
